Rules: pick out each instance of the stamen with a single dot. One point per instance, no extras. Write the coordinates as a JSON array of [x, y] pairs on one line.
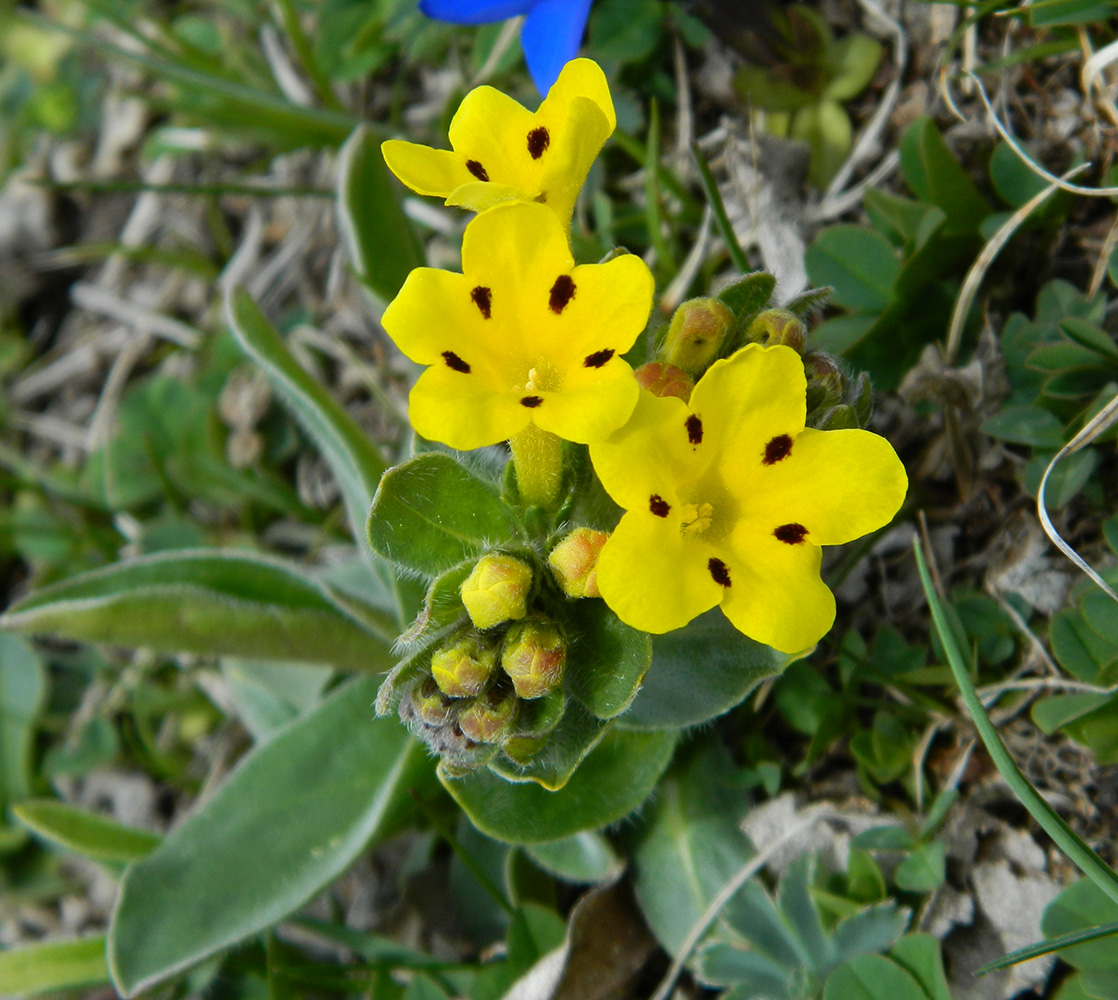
[[719, 571], [531, 401], [561, 293], [658, 505], [477, 170], [538, 140], [696, 518], [791, 534], [778, 448], [483, 299], [456, 363], [694, 429], [598, 358]]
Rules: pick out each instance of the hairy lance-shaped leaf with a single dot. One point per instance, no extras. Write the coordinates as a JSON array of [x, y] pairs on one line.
[[352, 457], [615, 778], [607, 659], [290, 819], [206, 602], [431, 513], [54, 966], [22, 689], [699, 672], [85, 833], [380, 239]]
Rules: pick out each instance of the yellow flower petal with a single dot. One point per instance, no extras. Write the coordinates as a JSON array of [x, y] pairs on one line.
[[839, 484], [592, 410], [776, 595], [581, 78], [463, 411], [748, 399], [431, 303], [426, 170], [652, 578], [490, 130]]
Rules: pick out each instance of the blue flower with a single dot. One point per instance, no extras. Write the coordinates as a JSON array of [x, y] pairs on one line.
[[550, 37]]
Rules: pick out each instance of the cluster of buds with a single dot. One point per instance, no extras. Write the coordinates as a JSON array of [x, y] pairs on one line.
[[705, 329], [497, 685]]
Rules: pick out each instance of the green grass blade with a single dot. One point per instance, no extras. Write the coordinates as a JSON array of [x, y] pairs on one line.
[[1049, 946], [737, 255], [1086, 860], [654, 218]]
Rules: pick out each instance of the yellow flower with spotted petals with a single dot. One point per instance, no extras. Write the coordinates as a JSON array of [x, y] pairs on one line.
[[503, 152], [729, 499], [523, 336]]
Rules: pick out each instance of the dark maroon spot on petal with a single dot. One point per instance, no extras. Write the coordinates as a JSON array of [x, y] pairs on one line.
[[791, 534], [538, 140], [658, 505], [483, 299], [531, 401], [541, 198], [598, 358], [694, 429], [561, 293], [453, 361], [779, 447], [477, 170], [719, 572]]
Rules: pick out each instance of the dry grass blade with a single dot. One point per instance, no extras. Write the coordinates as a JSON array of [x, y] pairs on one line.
[[1036, 168], [1099, 424], [986, 258]]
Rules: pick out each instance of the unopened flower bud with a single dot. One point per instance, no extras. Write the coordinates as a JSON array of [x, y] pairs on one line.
[[462, 668], [497, 590], [825, 382], [574, 561], [778, 326], [696, 333], [432, 706], [665, 380], [534, 655], [491, 717]]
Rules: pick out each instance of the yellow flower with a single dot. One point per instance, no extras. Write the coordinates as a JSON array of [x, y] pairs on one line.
[[729, 500], [503, 152], [523, 336]]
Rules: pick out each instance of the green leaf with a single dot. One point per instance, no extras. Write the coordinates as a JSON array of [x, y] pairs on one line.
[[826, 128], [431, 513], [22, 690], [583, 858], [752, 973], [699, 672], [381, 242], [1069, 477], [268, 694], [1080, 907], [860, 264], [352, 457], [206, 602], [607, 659], [689, 845], [1048, 947], [935, 176], [84, 832], [923, 870], [56, 965], [567, 745], [857, 57], [1086, 860], [750, 294], [1057, 711], [615, 778], [1051, 13], [1026, 424], [443, 604], [872, 977], [841, 334], [919, 954], [292, 816]]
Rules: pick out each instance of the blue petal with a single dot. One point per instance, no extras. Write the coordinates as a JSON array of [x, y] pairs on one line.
[[474, 11], [551, 36]]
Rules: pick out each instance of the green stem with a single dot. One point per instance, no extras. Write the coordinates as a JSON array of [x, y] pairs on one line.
[[537, 458]]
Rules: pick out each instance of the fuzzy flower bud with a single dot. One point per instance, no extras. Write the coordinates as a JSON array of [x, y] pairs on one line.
[[826, 385], [534, 655], [665, 380], [696, 333], [778, 326], [574, 561], [497, 590], [432, 706], [491, 717], [461, 669]]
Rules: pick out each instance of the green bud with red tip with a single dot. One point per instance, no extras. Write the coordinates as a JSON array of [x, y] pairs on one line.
[[696, 333], [491, 716], [497, 590], [778, 326], [665, 380], [574, 562], [534, 656]]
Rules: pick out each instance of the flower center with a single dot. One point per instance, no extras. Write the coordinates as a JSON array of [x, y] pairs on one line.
[[695, 518]]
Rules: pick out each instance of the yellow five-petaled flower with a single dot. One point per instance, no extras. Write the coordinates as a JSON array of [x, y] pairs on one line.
[[729, 499], [523, 336], [503, 152]]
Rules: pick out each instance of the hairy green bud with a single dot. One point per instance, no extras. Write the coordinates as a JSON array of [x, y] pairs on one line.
[[574, 562], [463, 668], [696, 333], [665, 380], [533, 656], [491, 716], [497, 590]]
